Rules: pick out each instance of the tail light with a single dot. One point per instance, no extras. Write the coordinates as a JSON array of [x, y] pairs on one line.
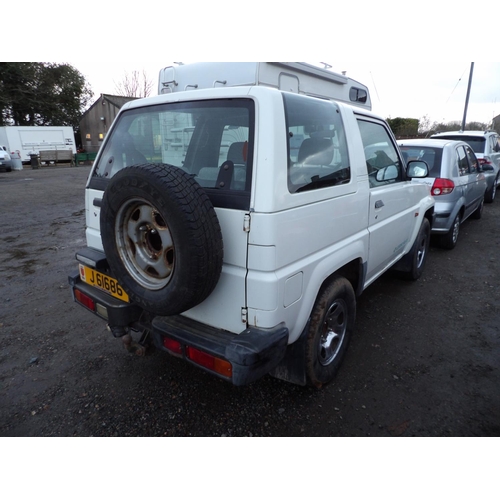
[[85, 300], [442, 186], [484, 161], [209, 361], [173, 346], [201, 358]]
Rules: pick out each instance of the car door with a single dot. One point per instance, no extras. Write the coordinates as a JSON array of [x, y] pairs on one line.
[[476, 179], [467, 183], [392, 198], [495, 150]]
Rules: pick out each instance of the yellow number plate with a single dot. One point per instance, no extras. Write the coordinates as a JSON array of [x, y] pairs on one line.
[[103, 282]]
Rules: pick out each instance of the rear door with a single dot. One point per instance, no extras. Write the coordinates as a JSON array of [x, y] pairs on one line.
[[495, 150], [471, 179], [392, 198]]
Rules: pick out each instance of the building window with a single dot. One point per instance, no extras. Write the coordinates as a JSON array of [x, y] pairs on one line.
[[101, 137], [87, 137]]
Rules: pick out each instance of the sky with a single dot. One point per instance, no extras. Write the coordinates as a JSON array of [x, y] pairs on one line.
[[432, 90], [418, 57]]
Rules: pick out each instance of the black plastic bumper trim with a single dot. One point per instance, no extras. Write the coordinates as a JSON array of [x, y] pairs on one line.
[[119, 313], [92, 257], [253, 353]]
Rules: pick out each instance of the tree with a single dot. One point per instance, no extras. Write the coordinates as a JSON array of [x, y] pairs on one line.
[[42, 94], [134, 85], [404, 127], [452, 127]]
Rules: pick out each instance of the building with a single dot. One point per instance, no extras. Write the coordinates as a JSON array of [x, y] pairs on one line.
[[95, 122], [496, 124]]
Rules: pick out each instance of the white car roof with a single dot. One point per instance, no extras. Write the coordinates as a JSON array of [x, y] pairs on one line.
[[475, 133], [427, 143]]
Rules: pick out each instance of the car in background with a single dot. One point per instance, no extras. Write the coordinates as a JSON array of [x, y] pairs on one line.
[[5, 163], [456, 180], [486, 147]]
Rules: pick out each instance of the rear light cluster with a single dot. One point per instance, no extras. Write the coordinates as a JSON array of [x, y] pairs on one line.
[[442, 186], [484, 161], [89, 303], [201, 358], [84, 300]]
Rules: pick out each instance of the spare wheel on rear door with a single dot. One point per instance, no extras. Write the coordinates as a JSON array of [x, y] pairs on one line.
[[161, 237]]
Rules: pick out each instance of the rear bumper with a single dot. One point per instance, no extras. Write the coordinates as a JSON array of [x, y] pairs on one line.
[[445, 213], [114, 311], [252, 354]]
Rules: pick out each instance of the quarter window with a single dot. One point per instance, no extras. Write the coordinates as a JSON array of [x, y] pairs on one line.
[[317, 146], [463, 164], [472, 160]]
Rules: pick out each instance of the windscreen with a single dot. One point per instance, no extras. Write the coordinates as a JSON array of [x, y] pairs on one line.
[[432, 156]]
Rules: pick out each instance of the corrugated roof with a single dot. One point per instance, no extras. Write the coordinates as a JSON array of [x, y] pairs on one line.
[[116, 100]]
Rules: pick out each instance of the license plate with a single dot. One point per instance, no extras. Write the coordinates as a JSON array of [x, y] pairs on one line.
[[103, 282]]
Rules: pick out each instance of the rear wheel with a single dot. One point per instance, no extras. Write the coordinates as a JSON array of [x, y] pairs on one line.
[[478, 213], [449, 240], [490, 195], [332, 322]]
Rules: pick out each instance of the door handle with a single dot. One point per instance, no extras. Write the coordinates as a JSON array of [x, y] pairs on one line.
[[379, 204]]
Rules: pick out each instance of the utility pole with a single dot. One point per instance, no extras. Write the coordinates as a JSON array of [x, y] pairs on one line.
[[467, 98]]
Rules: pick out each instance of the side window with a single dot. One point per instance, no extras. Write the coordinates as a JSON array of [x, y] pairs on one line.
[[472, 160], [317, 146], [463, 164], [382, 159], [495, 147]]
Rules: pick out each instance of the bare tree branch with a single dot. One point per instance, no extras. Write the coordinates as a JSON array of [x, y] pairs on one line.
[[134, 84]]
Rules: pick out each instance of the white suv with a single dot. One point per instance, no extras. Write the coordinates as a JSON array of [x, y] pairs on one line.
[[236, 226], [486, 147]]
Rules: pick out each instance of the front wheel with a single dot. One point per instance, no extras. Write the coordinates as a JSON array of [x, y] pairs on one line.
[[332, 322]]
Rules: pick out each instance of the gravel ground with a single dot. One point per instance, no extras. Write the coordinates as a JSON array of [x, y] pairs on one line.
[[424, 359]]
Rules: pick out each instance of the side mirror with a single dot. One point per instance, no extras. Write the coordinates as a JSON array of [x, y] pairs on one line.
[[389, 173], [417, 169]]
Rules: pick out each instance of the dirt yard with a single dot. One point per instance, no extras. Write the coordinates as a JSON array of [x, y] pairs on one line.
[[424, 360]]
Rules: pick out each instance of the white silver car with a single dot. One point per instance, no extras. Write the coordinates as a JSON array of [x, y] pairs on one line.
[[456, 181], [486, 147]]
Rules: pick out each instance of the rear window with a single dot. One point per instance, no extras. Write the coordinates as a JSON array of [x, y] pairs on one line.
[[211, 140], [476, 143], [432, 156]]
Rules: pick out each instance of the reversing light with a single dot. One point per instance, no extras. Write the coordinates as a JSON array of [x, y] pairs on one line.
[[85, 300], [217, 365], [101, 311]]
